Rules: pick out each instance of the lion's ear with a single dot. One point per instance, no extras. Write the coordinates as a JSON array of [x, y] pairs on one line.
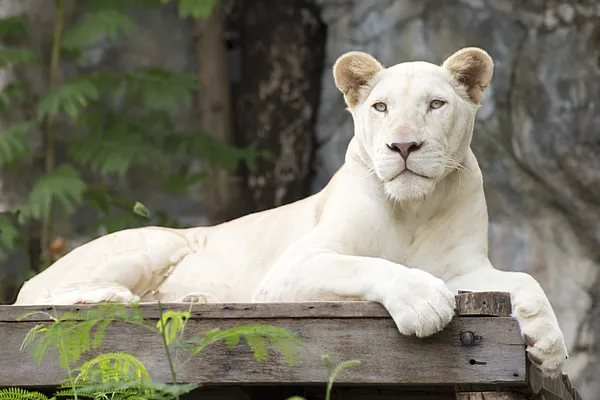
[[352, 73], [473, 68]]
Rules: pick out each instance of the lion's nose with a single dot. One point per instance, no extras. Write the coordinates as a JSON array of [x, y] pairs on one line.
[[404, 148]]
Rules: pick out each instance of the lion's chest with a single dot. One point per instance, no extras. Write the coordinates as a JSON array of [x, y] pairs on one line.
[[415, 244]]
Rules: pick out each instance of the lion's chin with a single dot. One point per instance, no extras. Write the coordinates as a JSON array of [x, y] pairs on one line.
[[409, 186]]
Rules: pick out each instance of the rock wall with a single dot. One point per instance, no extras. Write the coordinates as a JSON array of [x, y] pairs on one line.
[[536, 136]]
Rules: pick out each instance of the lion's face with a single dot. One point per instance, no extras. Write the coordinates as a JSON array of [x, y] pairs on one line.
[[413, 121]]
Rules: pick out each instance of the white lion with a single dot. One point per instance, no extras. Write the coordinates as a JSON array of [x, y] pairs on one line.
[[403, 222]]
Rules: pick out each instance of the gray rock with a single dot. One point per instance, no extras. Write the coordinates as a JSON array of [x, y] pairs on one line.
[[537, 135]]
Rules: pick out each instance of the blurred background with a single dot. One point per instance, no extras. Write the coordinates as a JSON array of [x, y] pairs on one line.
[[123, 113]]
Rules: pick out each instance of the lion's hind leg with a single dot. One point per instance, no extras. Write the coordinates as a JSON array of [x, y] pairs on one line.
[[89, 293]]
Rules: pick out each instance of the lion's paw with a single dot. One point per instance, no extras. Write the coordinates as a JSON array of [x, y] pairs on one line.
[[420, 303], [545, 343], [202, 298], [90, 293]]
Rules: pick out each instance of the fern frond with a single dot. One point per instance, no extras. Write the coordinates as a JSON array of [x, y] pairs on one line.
[[21, 394], [64, 186], [13, 142], [109, 22], [72, 334], [112, 367], [31, 335], [11, 93], [70, 98], [195, 8], [14, 26], [333, 372], [115, 150], [8, 234], [120, 5], [257, 336], [171, 323], [159, 89], [146, 390], [14, 56]]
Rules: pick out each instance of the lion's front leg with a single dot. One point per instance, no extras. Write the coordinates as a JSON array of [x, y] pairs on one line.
[[419, 303], [538, 323]]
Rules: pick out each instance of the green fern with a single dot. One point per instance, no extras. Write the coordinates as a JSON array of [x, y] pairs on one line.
[[21, 394], [14, 56], [112, 367], [195, 8], [107, 22], [333, 372], [70, 98], [14, 26], [159, 89], [10, 94], [8, 234], [75, 333], [171, 323], [64, 187], [127, 390], [115, 150], [120, 5], [257, 336], [13, 142]]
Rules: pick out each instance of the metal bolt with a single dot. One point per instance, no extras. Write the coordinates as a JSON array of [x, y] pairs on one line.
[[467, 338]]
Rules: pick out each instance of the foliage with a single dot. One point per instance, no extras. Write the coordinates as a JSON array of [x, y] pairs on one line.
[[121, 375], [110, 124]]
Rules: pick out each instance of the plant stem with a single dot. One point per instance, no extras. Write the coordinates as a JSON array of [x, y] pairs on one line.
[[49, 134], [164, 338]]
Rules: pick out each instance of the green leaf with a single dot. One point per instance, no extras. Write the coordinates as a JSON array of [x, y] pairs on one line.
[[14, 56], [8, 234], [141, 209], [14, 26], [13, 142], [64, 186], [11, 93], [115, 150], [119, 5], [69, 98], [196, 8], [180, 182], [109, 22], [171, 323], [158, 89], [21, 394]]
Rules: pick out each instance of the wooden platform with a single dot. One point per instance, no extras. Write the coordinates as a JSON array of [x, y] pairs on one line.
[[480, 351]]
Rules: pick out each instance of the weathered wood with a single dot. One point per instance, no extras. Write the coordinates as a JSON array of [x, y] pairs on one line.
[[386, 356], [548, 388], [491, 304], [490, 396], [481, 357], [466, 305]]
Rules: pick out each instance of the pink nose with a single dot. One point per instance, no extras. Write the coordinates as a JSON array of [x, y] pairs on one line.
[[404, 148]]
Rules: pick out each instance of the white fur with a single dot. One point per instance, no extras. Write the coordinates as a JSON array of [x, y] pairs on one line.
[[409, 240]]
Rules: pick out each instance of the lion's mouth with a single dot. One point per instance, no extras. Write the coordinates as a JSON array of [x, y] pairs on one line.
[[409, 171]]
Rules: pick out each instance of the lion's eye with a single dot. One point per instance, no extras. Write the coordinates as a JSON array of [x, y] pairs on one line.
[[435, 104], [381, 107]]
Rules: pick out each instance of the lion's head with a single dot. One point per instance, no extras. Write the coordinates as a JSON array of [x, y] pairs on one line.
[[413, 121]]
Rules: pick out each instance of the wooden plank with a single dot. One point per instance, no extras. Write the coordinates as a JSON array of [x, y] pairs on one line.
[[267, 311], [386, 356], [490, 396], [548, 388], [490, 304], [468, 304]]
